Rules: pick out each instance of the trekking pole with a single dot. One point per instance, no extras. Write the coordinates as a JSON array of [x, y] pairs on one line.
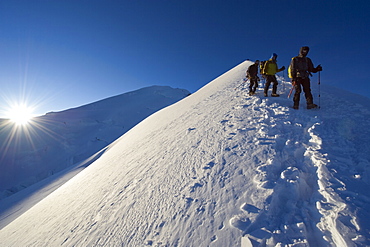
[[242, 84], [319, 91]]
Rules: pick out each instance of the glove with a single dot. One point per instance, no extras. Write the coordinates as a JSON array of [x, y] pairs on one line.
[[319, 68], [282, 68]]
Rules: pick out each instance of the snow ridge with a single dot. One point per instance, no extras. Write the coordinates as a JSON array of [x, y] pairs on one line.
[[218, 168], [303, 208], [289, 215], [58, 140]]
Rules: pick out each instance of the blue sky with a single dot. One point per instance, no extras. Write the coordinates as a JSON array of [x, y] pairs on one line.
[[60, 54]]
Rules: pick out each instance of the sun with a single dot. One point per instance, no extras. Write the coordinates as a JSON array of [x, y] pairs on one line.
[[20, 114]]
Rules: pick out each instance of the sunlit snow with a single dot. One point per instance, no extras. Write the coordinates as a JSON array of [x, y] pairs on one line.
[[219, 168]]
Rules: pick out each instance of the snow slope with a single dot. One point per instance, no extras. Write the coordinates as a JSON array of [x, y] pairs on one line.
[[58, 140], [219, 168]]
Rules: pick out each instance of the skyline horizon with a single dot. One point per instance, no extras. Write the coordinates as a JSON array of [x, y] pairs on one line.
[[60, 55]]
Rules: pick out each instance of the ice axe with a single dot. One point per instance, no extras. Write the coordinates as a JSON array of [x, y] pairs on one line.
[[291, 90]]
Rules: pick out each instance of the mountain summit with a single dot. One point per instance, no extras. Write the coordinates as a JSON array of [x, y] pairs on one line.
[[219, 168]]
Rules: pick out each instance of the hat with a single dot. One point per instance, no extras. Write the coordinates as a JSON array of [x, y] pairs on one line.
[[304, 51], [274, 55], [305, 48]]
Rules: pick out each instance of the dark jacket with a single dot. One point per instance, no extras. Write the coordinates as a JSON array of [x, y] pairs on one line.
[[301, 66], [252, 71]]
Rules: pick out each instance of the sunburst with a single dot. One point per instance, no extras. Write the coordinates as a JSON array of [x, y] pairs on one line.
[[20, 114]]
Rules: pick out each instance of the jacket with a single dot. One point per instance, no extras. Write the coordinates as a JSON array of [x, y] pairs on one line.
[[301, 67], [271, 68], [252, 71]]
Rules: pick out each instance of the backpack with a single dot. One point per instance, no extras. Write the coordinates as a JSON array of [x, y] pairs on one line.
[[301, 66], [262, 65], [290, 70]]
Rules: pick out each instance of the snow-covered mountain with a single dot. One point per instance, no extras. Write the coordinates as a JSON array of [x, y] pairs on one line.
[[220, 168], [59, 140]]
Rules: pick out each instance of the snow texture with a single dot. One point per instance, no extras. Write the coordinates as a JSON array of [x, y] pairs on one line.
[[59, 140], [219, 168]]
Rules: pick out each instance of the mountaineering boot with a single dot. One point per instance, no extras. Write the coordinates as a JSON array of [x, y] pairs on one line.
[[296, 107], [265, 94], [311, 106], [275, 95]]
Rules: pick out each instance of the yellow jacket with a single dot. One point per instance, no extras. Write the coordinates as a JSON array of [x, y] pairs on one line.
[[271, 68]]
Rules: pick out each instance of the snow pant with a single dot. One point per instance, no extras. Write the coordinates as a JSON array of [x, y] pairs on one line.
[[306, 85], [253, 84], [271, 79]]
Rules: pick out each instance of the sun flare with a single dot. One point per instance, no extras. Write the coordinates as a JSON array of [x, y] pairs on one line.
[[20, 114]]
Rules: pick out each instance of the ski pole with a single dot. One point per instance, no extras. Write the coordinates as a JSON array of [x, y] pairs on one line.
[[242, 84]]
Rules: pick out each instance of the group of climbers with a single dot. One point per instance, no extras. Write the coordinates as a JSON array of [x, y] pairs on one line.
[[299, 71]]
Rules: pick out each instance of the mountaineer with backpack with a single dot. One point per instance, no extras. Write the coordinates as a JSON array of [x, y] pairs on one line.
[[252, 75], [299, 71], [269, 70]]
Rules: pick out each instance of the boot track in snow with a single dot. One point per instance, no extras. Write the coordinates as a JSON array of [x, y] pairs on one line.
[[219, 168]]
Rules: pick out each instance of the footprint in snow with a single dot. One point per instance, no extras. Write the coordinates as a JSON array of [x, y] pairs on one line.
[[214, 238], [249, 208], [209, 165], [240, 222], [195, 186]]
